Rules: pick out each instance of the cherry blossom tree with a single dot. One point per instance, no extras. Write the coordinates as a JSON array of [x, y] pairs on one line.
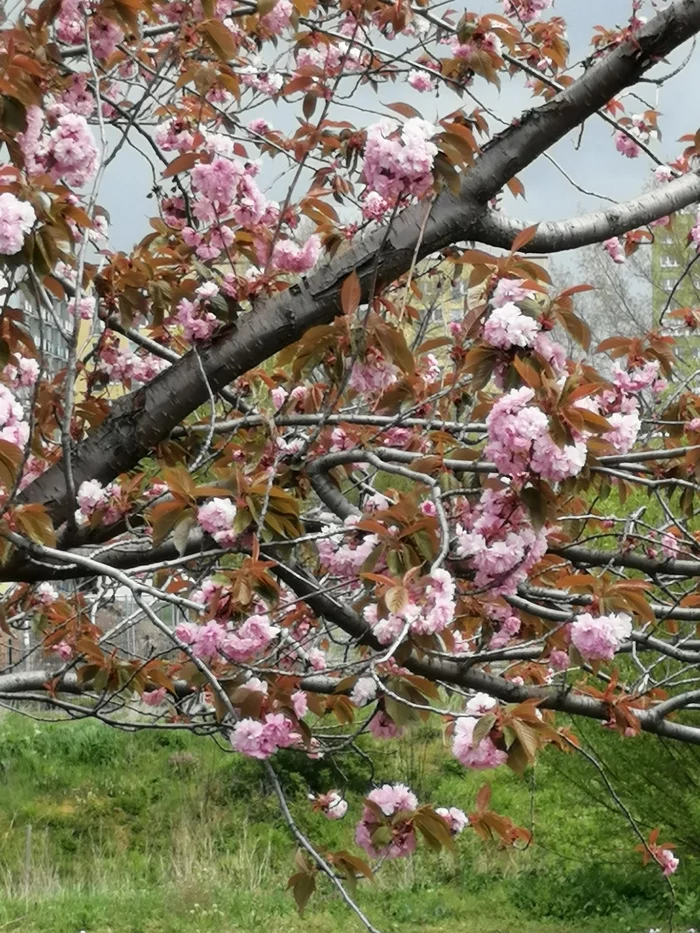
[[333, 507]]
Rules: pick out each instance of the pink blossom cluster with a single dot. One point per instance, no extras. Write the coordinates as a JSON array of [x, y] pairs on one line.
[[343, 554], [46, 594], [23, 375], [94, 497], [208, 641], [67, 152], [327, 59], [484, 754], [13, 428], [16, 220], [667, 860], [364, 691], [615, 250], [251, 639], [75, 98], [420, 80], [105, 36], [430, 609], [289, 257], [374, 374], [390, 799], [333, 805], [598, 638], [626, 142], [635, 380], [519, 440], [382, 726], [456, 819], [154, 697], [508, 327], [509, 291], [227, 195], [498, 539], [257, 739], [508, 625], [621, 409], [216, 517], [265, 82], [526, 10], [198, 323], [121, 365], [174, 134], [399, 159], [279, 17]]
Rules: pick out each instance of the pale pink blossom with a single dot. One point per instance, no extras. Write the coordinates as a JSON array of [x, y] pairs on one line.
[[391, 799], [364, 691], [615, 250], [420, 80], [509, 291], [455, 818], [399, 159], [484, 755], [288, 257], [216, 515], [508, 327], [668, 861], [598, 638], [154, 697], [16, 220]]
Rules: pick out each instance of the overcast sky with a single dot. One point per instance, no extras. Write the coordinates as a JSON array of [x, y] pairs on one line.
[[595, 166]]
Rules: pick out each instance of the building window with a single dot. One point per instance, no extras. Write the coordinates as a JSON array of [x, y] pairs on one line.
[[667, 239], [669, 262], [667, 284]]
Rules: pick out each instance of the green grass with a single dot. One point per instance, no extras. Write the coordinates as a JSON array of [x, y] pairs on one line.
[[168, 833]]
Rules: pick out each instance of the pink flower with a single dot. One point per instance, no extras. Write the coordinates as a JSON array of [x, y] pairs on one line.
[[46, 594], [16, 220], [420, 80], [455, 818], [259, 126], [252, 638], [508, 327], [664, 173], [559, 660], [484, 755], [526, 10], [509, 291], [626, 145], [91, 495], [668, 861], [278, 17], [637, 379], [364, 691], [216, 515], [300, 703], [615, 250], [390, 799], [625, 428], [154, 697], [63, 650], [288, 257], [399, 159], [336, 808], [374, 206], [383, 726], [599, 638], [373, 375], [262, 739]]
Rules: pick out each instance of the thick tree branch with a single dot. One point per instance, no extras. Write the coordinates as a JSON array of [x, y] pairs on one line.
[[495, 229]]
